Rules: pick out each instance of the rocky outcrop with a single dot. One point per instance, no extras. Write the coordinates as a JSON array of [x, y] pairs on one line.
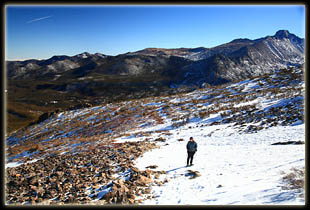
[[42, 118]]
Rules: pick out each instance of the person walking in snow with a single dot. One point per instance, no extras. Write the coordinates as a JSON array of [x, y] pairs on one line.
[[191, 149]]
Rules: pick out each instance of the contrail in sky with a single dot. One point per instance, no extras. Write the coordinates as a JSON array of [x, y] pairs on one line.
[[38, 19]]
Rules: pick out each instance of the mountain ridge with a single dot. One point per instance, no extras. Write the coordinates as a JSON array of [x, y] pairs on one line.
[[96, 78], [193, 54]]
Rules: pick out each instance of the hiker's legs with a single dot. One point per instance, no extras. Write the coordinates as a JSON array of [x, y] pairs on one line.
[[190, 156]]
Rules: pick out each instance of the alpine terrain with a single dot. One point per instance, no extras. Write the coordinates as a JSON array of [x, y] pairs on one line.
[[68, 82], [111, 130]]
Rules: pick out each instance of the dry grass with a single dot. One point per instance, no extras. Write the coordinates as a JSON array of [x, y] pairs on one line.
[[295, 179]]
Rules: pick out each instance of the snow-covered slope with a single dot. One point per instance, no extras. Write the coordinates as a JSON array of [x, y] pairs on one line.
[[241, 169], [134, 151]]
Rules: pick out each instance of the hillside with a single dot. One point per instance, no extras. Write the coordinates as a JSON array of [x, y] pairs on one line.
[[250, 134]]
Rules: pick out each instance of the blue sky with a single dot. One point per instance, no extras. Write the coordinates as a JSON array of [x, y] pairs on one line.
[[40, 32]]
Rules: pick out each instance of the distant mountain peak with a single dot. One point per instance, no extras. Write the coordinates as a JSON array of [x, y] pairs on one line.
[[244, 40], [282, 34], [99, 54], [83, 55]]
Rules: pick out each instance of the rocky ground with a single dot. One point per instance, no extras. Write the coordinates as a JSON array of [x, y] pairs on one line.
[[80, 177]]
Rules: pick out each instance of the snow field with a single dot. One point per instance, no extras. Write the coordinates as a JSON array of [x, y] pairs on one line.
[[235, 169]]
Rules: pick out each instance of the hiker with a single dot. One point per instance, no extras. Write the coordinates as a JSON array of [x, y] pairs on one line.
[[191, 149]]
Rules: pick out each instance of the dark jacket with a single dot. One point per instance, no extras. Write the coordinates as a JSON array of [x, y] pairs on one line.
[[191, 146]]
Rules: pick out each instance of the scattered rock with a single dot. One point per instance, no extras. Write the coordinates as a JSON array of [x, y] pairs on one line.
[[192, 174], [143, 180], [289, 143], [160, 139], [152, 166]]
